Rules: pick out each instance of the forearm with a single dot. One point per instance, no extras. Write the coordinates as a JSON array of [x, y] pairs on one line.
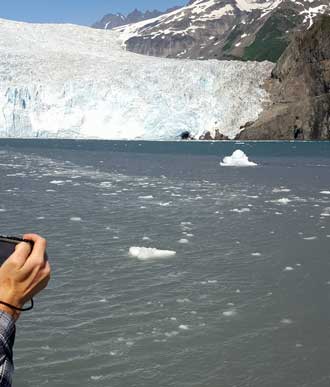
[[7, 337]]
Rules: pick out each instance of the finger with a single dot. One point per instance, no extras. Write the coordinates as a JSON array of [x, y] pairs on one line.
[[39, 243], [37, 256], [20, 255]]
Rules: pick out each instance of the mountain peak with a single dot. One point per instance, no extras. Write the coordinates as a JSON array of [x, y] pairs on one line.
[[224, 29], [111, 21]]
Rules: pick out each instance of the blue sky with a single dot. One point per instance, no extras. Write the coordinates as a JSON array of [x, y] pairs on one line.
[[75, 11]]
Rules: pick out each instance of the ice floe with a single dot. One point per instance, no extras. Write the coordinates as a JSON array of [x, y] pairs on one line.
[[57, 182], [281, 189], [75, 219], [286, 321], [237, 159], [240, 211], [283, 201], [145, 253], [229, 313], [326, 212]]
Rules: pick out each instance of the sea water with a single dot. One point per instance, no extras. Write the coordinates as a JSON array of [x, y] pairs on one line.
[[240, 297]]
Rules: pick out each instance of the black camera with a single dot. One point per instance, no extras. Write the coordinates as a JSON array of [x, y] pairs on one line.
[[8, 245]]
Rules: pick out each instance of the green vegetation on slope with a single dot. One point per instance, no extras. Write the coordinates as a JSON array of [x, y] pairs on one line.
[[273, 38], [235, 33]]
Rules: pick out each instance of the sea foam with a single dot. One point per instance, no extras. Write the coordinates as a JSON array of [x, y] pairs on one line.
[[145, 253], [237, 159]]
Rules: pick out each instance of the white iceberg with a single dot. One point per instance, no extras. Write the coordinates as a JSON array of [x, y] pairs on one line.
[[237, 159], [144, 253]]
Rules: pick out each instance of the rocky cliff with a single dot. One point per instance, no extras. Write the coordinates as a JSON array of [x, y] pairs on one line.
[[299, 89]]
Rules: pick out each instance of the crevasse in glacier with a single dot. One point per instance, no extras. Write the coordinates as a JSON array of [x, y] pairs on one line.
[[77, 82]]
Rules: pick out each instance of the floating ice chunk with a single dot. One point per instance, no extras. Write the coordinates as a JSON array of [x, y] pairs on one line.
[[183, 241], [288, 268], [145, 238], [171, 334], [281, 189], [2, 210], [106, 184], [57, 182], [183, 300], [283, 201], [96, 377], [146, 197], [326, 212], [229, 313], [184, 327], [237, 159], [325, 192], [286, 321], [310, 238], [256, 254], [144, 253], [75, 219], [240, 211]]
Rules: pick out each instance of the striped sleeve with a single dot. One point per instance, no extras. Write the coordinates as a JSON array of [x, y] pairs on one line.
[[7, 338]]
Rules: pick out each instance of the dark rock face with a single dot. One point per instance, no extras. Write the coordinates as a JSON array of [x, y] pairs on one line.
[[217, 136], [300, 90], [226, 29]]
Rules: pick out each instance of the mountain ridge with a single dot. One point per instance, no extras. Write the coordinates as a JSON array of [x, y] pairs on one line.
[[111, 20], [224, 29]]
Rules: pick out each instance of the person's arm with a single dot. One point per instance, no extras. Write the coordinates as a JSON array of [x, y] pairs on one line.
[[7, 337], [24, 274]]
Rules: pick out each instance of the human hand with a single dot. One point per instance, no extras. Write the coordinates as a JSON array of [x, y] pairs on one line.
[[24, 274]]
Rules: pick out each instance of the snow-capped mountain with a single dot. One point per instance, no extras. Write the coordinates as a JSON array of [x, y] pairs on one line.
[[78, 82], [111, 20], [224, 29]]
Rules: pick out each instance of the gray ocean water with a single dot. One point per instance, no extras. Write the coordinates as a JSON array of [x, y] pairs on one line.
[[244, 302]]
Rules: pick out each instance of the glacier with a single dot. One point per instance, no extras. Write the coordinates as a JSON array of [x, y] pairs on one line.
[[68, 81]]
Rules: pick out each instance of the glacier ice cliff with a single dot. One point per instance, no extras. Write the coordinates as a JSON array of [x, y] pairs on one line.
[[67, 81]]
